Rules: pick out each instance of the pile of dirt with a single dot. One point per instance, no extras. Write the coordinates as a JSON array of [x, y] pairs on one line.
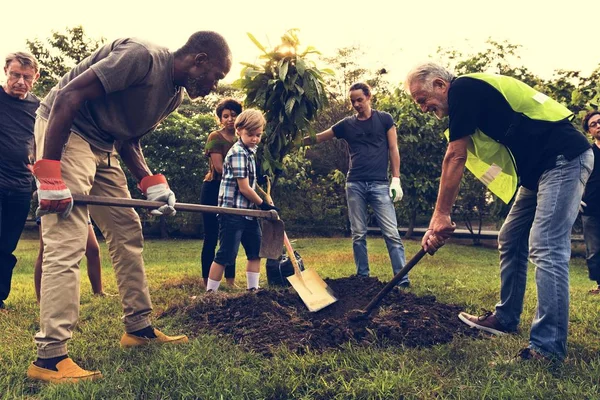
[[266, 319]]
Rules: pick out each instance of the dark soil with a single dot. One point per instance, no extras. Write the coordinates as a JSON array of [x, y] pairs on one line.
[[268, 318]]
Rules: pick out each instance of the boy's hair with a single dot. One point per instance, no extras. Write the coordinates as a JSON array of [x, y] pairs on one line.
[[250, 120], [586, 119], [228, 104]]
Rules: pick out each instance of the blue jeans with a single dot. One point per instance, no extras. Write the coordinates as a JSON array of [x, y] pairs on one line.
[[210, 196], [236, 229], [359, 195], [14, 207], [591, 235], [539, 226]]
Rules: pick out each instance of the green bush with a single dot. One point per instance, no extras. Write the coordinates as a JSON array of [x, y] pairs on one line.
[[176, 150]]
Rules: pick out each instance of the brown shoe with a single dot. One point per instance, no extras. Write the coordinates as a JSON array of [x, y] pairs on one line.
[[128, 340], [68, 372], [487, 322], [595, 291]]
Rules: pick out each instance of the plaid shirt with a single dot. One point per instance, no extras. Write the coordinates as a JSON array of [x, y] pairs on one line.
[[238, 163]]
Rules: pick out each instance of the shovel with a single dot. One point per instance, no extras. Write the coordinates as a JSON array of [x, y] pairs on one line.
[[313, 290], [272, 226], [356, 315]]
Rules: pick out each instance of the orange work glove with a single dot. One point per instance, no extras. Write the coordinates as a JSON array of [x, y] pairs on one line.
[[53, 194]]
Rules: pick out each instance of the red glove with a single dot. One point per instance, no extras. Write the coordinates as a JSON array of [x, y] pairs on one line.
[[156, 188], [53, 194]]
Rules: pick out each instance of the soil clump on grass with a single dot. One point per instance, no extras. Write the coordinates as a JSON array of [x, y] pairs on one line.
[[268, 318]]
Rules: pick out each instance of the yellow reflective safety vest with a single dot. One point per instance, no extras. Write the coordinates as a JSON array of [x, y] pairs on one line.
[[492, 162]]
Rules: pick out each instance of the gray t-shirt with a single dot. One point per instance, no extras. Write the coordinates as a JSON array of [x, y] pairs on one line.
[[17, 117], [138, 79], [368, 143]]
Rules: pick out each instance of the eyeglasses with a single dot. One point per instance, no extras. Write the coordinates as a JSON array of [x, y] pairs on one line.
[[16, 76], [594, 124]]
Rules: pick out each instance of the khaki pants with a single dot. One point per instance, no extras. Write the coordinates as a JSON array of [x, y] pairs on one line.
[[86, 170]]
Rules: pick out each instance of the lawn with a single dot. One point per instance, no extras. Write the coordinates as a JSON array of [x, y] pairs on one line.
[[213, 367]]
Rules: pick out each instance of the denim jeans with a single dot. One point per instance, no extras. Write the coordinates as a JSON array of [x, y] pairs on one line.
[[359, 195], [210, 196], [236, 229], [591, 235], [539, 226], [14, 207]]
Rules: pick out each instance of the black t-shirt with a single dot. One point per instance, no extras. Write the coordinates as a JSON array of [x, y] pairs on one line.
[[591, 196], [475, 104], [17, 118], [369, 148]]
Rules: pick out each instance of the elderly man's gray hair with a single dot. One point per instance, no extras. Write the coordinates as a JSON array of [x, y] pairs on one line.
[[426, 73]]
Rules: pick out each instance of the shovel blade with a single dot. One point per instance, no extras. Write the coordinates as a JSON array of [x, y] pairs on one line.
[[271, 245], [313, 290]]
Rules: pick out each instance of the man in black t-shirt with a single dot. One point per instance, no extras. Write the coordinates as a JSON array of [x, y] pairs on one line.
[[590, 204], [17, 117], [553, 161], [373, 143]]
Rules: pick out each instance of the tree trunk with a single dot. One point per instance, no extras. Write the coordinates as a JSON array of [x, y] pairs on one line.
[[412, 220]]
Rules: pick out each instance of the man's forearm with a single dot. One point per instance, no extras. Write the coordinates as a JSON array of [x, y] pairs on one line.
[[318, 138], [133, 158], [395, 163], [452, 172], [59, 128]]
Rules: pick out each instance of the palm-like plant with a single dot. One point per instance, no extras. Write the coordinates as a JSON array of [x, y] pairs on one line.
[[289, 89]]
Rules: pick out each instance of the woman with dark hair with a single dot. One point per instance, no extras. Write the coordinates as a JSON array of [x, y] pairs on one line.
[[217, 145]]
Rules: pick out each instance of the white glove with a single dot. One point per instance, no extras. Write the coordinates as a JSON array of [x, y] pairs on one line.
[[582, 206], [156, 188], [396, 192]]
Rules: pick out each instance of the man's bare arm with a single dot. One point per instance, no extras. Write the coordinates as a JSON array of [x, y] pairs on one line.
[[68, 101], [392, 137], [132, 156], [320, 137]]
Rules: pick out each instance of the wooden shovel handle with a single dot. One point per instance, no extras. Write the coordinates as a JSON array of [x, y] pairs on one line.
[[292, 256], [123, 202], [397, 278], [286, 240]]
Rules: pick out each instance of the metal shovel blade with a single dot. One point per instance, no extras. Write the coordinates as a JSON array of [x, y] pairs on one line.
[[313, 290], [271, 245]]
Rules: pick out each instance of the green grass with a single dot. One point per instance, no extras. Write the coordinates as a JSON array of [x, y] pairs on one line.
[[212, 367]]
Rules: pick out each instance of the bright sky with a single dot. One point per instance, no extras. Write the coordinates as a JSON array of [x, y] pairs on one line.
[[394, 34]]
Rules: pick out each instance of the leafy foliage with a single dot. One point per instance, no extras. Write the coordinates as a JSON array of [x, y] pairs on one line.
[[298, 98], [312, 203], [60, 52], [289, 88], [176, 149]]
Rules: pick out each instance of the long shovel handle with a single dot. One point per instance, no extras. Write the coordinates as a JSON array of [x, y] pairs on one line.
[[123, 202], [292, 256], [286, 240], [397, 278]]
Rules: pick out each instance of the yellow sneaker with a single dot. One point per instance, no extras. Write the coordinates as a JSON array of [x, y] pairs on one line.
[[128, 340], [68, 372]]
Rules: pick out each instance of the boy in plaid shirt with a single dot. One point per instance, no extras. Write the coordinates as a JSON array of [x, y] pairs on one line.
[[237, 191]]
